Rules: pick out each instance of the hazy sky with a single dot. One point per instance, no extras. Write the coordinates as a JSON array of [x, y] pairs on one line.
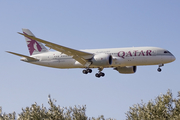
[[92, 24]]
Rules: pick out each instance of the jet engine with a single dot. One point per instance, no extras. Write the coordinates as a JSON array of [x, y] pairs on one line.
[[102, 59], [126, 70]]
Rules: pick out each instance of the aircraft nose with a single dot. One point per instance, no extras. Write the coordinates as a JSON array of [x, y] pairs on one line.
[[173, 58]]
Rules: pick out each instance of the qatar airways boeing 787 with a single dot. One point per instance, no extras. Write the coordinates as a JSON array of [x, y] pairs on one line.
[[124, 60]]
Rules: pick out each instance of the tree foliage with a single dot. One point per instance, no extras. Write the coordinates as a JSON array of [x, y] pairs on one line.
[[164, 107], [4, 116], [36, 112]]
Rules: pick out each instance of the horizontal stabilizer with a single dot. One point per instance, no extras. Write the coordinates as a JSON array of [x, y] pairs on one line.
[[27, 57]]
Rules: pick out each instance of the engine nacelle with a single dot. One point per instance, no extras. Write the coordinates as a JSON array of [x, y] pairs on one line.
[[102, 60], [126, 70]]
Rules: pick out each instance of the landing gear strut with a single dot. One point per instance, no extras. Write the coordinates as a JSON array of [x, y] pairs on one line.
[[159, 69], [100, 74], [87, 71]]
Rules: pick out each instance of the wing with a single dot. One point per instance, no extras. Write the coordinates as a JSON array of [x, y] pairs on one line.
[[80, 56], [27, 57]]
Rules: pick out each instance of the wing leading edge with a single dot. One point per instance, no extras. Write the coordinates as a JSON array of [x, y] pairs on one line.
[[80, 56]]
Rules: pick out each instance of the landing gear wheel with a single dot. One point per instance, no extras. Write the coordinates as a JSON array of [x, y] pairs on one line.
[[159, 70], [97, 75], [89, 70], [102, 74], [85, 71]]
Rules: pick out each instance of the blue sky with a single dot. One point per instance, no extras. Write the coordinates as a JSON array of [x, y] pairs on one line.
[[87, 25]]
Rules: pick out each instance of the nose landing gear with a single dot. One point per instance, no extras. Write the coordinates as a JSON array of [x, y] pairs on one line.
[[159, 69]]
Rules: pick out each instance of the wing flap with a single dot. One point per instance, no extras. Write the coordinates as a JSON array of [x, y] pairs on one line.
[[80, 56]]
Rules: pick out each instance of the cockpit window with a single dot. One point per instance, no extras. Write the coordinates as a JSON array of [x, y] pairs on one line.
[[166, 52]]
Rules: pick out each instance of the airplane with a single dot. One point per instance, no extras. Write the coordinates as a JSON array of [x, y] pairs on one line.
[[123, 60]]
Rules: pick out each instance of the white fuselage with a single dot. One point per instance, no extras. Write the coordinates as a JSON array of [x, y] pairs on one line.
[[133, 56]]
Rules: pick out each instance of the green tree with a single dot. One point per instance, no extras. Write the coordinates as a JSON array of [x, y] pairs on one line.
[[4, 116], [36, 112], [164, 107]]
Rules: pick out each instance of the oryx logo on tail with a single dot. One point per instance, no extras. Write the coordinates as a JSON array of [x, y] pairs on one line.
[[33, 45]]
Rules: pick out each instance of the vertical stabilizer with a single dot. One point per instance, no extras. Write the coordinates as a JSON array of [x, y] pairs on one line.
[[34, 47]]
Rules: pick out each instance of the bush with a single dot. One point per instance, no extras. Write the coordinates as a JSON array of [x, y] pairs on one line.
[[164, 107]]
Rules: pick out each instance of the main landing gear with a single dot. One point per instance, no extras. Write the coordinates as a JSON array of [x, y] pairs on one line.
[[87, 71], [159, 69], [100, 74]]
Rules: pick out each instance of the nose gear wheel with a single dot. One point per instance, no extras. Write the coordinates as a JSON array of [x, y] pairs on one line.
[[159, 69]]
